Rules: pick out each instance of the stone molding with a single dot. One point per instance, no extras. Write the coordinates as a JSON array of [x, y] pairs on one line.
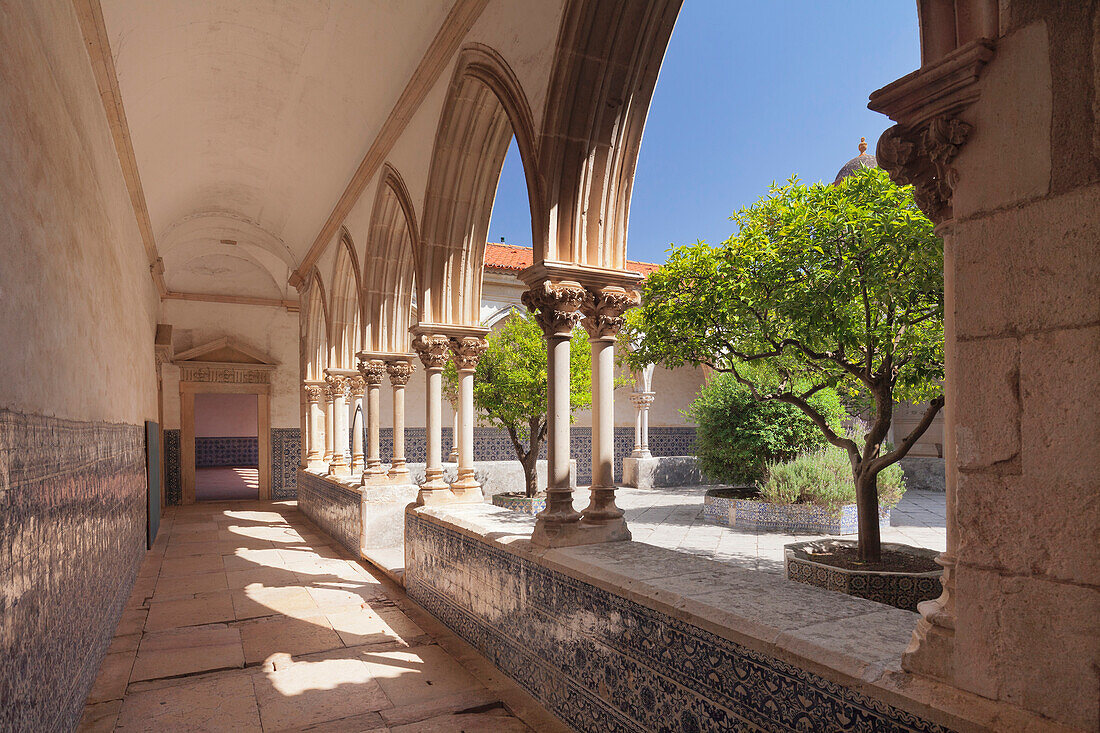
[[399, 372], [920, 148], [224, 373], [603, 310], [467, 351], [557, 306], [432, 350]]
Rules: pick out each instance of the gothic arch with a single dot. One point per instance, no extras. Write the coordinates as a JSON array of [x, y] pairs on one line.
[[346, 322], [485, 107], [604, 71], [393, 261], [317, 328]]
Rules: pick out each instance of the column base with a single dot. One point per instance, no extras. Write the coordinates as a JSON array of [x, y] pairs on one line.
[[399, 473], [572, 534], [434, 493], [467, 490], [931, 650], [316, 465], [339, 469], [356, 465]]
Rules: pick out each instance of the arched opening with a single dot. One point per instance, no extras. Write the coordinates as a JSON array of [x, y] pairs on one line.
[[393, 255], [346, 312], [317, 329]]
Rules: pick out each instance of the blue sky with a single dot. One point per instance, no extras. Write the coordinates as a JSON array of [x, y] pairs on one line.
[[749, 93]]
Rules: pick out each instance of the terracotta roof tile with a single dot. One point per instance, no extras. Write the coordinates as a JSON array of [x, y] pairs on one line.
[[514, 258]]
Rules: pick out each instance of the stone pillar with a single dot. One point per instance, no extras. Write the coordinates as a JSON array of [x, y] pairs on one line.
[[316, 440], [338, 464], [399, 372], [603, 318], [329, 433], [432, 350], [453, 455], [641, 402], [467, 351], [557, 309], [373, 371], [356, 386]]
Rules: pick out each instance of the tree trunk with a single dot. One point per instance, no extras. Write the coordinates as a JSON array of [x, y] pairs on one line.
[[870, 544], [530, 474]]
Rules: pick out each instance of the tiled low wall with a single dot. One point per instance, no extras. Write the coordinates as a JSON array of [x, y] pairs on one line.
[[226, 451], [335, 509], [632, 637], [72, 535]]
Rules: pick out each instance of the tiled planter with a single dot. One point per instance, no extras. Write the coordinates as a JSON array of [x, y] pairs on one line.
[[791, 518], [900, 590], [520, 503]]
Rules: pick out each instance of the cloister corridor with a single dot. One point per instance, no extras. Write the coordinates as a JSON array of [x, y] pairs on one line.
[[245, 617]]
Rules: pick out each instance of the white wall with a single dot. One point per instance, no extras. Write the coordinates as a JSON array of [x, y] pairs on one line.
[[226, 416]]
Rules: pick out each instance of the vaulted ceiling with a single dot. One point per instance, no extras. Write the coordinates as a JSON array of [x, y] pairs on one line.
[[248, 118]]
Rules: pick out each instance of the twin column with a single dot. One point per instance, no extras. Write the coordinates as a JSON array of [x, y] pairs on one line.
[[373, 371], [558, 306]]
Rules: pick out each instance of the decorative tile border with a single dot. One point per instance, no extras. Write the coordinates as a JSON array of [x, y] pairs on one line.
[[286, 458], [334, 509], [791, 518], [900, 590], [604, 663], [520, 503], [72, 535], [173, 491]]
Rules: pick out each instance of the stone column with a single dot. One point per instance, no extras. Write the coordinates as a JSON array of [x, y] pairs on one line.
[[316, 440], [467, 351], [641, 402], [557, 309], [329, 433], [603, 318], [453, 455], [373, 371], [432, 350], [399, 372], [338, 464], [355, 387]]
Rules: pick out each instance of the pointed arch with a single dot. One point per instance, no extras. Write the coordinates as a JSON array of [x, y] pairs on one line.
[[393, 263], [317, 322], [347, 316], [605, 69], [485, 107]]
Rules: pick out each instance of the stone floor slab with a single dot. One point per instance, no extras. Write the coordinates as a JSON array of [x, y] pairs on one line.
[[225, 704], [179, 652]]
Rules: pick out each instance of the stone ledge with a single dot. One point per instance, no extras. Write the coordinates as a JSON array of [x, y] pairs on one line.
[[846, 641]]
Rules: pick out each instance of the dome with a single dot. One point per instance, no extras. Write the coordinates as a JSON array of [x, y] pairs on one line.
[[863, 160]]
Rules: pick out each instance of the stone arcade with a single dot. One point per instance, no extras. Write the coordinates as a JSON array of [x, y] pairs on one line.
[[302, 193]]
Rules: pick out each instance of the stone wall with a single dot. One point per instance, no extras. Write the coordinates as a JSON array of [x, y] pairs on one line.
[[1027, 310], [78, 313], [335, 509]]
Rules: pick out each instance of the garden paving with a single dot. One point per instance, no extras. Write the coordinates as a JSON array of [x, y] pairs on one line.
[[673, 518]]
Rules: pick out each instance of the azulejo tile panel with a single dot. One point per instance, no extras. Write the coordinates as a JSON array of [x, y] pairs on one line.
[[334, 509], [286, 458], [226, 451], [519, 503], [172, 483], [72, 535], [602, 662]]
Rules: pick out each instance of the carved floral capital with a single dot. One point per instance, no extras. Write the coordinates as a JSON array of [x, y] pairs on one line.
[[314, 393], [432, 350], [923, 157], [337, 384], [373, 372], [467, 351], [642, 400], [557, 306], [603, 310], [356, 385], [399, 372]]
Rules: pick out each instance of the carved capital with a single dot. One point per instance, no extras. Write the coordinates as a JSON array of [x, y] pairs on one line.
[[432, 350], [399, 372], [467, 351], [642, 400], [373, 371], [356, 386], [604, 308], [338, 385], [922, 157], [314, 393], [557, 306]]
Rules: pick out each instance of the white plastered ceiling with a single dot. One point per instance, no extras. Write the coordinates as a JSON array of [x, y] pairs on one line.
[[248, 119]]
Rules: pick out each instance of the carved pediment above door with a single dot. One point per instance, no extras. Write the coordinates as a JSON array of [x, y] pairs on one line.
[[225, 360]]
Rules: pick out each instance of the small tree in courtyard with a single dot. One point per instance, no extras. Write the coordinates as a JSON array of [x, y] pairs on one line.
[[822, 287], [510, 385]]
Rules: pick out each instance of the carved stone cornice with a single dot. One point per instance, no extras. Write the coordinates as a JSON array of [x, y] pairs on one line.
[[373, 371], [314, 392], [432, 350], [226, 373], [557, 306], [399, 372], [467, 351], [603, 310], [356, 385], [920, 148], [338, 384]]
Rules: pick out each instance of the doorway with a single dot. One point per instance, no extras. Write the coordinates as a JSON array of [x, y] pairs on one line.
[[227, 447]]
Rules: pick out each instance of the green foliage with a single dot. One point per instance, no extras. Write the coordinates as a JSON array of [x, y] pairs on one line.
[[510, 383], [823, 476], [738, 435]]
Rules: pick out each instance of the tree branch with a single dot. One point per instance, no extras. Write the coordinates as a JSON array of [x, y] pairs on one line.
[[910, 440]]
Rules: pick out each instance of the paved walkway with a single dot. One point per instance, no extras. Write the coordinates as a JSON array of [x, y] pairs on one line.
[[673, 518], [245, 617]]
